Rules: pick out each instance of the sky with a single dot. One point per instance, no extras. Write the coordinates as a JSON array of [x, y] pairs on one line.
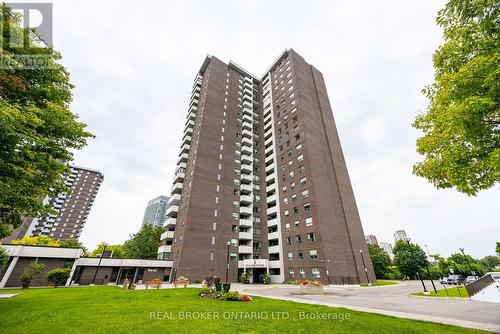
[[133, 65]]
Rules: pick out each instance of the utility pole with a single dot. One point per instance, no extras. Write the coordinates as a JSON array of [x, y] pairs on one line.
[[416, 265]]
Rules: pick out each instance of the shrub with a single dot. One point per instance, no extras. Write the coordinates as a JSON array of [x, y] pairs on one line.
[[204, 292], [245, 277], [233, 296], [58, 276], [4, 257], [33, 269], [265, 278]]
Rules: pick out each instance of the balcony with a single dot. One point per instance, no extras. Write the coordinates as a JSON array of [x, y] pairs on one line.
[[187, 132], [191, 116], [185, 149], [270, 179], [245, 211], [247, 118], [186, 140], [269, 160], [270, 168], [246, 149], [246, 178], [245, 168], [272, 211], [247, 133], [271, 199], [170, 222], [247, 111], [272, 222], [245, 249], [274, 249], [174, 199], [246, 199], [245, 235], [165, 249], [176, 188], [246, 159], [172, 211], [245, 189], [179, 177], [246, 222], [167, 235], [272, 235], [246, 126], [247, 142], [182, 158], [190, 124], [269, 150], [271, 188]]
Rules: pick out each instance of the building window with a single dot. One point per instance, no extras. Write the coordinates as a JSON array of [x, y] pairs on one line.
[[211, 255], [310, 236], [303, 181], [291, 272], [302, 273], [290, 256], [315, 272], [298, 238], [313, 253], [214, 226], [287, 226], [307, 207], [309, 221], [288, 241], [213, 240], [301, 255], [305, 193]]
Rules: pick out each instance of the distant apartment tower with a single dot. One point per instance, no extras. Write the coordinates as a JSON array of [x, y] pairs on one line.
[[387, 247], [400, 235], [155, 211], [371, 239], [72, 208], [261, 179]]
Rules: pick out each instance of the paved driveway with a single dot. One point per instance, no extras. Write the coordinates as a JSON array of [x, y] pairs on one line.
[[392, 300]]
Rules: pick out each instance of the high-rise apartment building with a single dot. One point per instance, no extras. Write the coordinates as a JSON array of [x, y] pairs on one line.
[[261, 180], [155, 211], [400, 235], [387, 247], [72, 208], [371, 239]]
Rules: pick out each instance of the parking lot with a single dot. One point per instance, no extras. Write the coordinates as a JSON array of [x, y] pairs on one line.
[[394, 300]]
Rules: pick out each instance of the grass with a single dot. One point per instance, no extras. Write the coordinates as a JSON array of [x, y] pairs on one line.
[[114, 310], [380, 282], [452, 292]]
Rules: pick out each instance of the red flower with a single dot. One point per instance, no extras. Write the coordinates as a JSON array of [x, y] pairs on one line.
[[246, 298]]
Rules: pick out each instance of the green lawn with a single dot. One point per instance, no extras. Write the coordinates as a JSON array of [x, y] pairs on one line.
[[452, 292], [381, 282], [114, 310]]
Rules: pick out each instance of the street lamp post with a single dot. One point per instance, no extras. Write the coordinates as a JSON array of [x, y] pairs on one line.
[[364, 265], [472, 272], [98, 264], [227, 267], [416, 265]]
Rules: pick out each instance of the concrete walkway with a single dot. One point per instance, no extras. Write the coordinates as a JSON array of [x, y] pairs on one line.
[[393, 300]]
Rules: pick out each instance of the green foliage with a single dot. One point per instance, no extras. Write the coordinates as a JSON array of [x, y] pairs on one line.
[[265, 278], [490, 262], [380, 260], [38, 133], [33, 269], [461, 141], [245, 277], [118, 250], [460, 265], [38, 240], [72, 243], [4, 257], [58, 276], [406, 262], [233, 296], [393, 273], [144, 244], [497, 249]]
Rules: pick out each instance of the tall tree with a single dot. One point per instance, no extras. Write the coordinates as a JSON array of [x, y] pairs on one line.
[[491, 262], [37, 129], [497, 248], [461, 141], [144, 244], [118, 251], [380, 260], [407, 262]]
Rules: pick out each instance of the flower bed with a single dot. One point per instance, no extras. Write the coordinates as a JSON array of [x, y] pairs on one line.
[[311, 287], [183, 281]]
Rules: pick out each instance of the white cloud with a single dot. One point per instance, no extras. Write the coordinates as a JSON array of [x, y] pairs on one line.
[[133, 65]]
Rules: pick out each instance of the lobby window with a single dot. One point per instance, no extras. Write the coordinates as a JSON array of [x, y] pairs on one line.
[[315, 272], [313, 254], [302, 273], [291, 272]]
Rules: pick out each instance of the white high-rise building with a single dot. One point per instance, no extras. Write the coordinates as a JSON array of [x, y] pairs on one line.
[[387, 247], [155, 211], [400, 235]]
